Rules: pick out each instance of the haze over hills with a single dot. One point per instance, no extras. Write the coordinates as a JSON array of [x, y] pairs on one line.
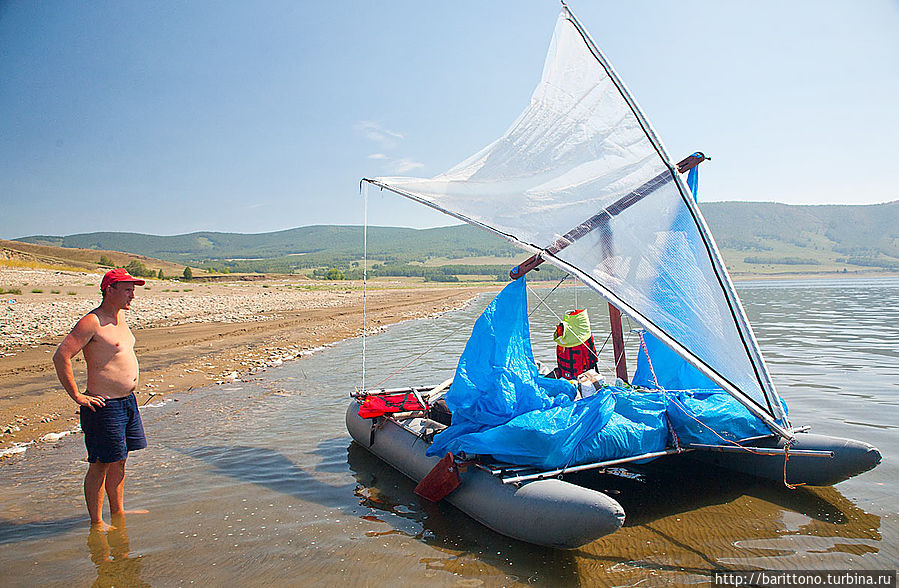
[[753, 237], [334, 240]]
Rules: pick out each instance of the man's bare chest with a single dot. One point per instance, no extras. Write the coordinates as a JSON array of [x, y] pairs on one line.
[[111, 340]]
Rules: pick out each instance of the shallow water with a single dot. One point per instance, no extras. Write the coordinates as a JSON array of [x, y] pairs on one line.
[[258, 484]]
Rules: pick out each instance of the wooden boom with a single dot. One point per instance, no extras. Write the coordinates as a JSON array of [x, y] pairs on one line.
[[603, 217], [601, 220]]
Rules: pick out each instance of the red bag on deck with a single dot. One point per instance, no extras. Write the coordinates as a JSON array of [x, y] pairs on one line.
[[375, 406]]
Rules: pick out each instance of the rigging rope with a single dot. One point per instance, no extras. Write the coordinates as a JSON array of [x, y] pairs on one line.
[[565, 277], [683, 409], [364, 190], [420, 355]]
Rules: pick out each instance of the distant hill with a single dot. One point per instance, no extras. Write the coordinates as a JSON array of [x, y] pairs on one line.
[[457, 241], [304, 247], [754, 238], [78, 259], [760, 237]]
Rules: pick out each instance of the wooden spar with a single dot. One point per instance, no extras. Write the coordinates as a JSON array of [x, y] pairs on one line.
[[615, 321], [601, 219], [618, 342]]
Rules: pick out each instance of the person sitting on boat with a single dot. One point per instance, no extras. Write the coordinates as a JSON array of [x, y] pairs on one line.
[[575, 351]]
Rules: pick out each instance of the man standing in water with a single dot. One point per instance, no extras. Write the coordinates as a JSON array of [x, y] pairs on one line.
[[110, 418]]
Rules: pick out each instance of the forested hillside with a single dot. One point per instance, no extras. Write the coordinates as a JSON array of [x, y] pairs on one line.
[[755, 238]]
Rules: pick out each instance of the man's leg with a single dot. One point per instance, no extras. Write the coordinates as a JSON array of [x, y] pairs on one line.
[[115, 487], [93, 490]]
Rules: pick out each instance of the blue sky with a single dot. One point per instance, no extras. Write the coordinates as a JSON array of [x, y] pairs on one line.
[[172, 117]]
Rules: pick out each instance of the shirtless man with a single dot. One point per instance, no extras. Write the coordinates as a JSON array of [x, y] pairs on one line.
[[110, 418]]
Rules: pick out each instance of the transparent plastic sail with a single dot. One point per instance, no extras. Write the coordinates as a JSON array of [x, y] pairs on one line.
[[581, 178]]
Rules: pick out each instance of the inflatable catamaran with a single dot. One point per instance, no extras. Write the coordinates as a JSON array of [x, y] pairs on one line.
[[582, 181]]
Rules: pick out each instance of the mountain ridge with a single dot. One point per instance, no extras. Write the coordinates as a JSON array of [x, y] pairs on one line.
[[753, 237]]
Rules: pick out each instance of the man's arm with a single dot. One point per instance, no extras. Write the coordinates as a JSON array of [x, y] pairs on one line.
[[69, 348]]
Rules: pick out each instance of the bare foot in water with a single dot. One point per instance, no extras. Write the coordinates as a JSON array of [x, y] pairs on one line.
[[101, 526]]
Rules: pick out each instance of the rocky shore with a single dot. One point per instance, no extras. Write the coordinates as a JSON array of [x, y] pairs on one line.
[[31, 317], [188, 334]]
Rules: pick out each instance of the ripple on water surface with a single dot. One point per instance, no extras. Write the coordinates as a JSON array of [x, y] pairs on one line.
[[257, 482]]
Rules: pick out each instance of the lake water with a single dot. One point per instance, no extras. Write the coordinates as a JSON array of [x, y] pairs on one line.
[[258, 483]]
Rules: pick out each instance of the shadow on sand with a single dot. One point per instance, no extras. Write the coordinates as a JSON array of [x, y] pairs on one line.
[[386, 496], [382, 495], [14, 532]]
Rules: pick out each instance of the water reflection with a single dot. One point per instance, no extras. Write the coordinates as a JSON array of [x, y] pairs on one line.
[[472, 549], [675, 485], [110, 550], [389, 503], [684, 519], [271, 469], [257, 487], [691, 518]]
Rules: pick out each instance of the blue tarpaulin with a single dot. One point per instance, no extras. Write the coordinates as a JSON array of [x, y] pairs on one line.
[[696, 406], [503, 407], [711, 417], [672, 371]]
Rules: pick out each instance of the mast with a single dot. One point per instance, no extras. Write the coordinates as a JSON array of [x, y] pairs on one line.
[[486, 189], [618, 342], [742, 323]]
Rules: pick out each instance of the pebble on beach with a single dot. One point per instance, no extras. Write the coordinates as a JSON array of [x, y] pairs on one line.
[[30, 321]]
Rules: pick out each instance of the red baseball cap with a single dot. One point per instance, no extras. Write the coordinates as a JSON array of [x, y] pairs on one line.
[[118, 275]]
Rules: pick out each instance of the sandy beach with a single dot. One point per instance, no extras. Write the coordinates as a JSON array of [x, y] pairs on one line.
[[189, 334]]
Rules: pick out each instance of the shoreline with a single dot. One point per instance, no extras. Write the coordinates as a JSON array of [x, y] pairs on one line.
[[813, 276], [212, 334], [197, 334]]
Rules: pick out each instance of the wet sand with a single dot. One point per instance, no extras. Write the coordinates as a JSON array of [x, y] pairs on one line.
[[188, 335]]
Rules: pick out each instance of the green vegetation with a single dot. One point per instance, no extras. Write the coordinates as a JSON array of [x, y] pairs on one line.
[[328, 274], [139, 270], [781, 260], [105, 261], [787, 238], [873, 261], [753, 238], [37, 291], [54, 291], [159, 275], [441, 278], [304, 247], [187, 274], [16, 291]]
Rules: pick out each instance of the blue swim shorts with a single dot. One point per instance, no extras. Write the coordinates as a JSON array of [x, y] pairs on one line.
[[113, 430]]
